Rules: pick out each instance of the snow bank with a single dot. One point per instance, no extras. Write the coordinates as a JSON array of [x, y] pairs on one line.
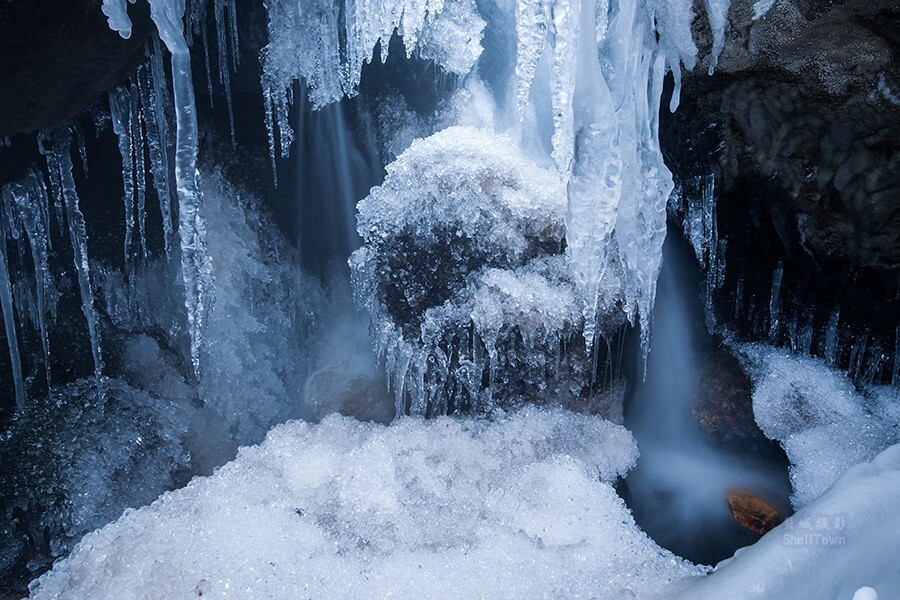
[[823, 422], [517, 508], [840, 543]]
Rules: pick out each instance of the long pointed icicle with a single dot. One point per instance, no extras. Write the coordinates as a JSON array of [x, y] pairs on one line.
[[140, 173], [9, 322], [223, 29], [156, 100], [30, 200], [120, 111], [195, 268], [57, 151]]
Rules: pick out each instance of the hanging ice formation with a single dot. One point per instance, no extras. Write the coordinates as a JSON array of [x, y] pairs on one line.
[[326, 45], [168, 16], [607, 68], [57, 149], [27, 214], [138, 115], [599, 66], [695, 201]]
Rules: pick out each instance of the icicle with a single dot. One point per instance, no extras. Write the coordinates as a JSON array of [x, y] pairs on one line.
[[775, 301], [831, 337], [269, 107], [59, 165], [82, 152], [895, 377], [140, 173], [717, 13], [56, 193], [233, 27], [117, 13], [6, 303], [222, 31], [738, 297], [168, 14], [595, 184], [120, 112], [157, 98], [30, 200], [857, 356]]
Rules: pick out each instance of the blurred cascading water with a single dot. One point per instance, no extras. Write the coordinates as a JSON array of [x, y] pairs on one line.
[[678, 490]]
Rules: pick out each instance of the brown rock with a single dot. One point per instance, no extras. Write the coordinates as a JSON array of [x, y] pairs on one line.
[[723, 403], [751, 511]]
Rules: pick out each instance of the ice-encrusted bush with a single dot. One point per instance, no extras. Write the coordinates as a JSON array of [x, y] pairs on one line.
[[464, 275]]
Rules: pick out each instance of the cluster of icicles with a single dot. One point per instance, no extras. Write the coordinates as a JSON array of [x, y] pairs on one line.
[[599, 66]]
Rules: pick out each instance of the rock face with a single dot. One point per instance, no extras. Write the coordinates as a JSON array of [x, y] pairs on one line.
[[723, 400], [800, 125], [463, 272], [752, 512], [58, 56]]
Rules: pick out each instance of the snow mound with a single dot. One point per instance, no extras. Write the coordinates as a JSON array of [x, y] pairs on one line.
[[823, 422], [450, 508], [471, 178]]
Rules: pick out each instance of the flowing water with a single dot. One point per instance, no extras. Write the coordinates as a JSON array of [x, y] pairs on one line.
[[678, 490]]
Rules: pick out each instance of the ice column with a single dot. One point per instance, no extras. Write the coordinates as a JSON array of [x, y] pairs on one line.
[[606, 74], [120, 114], [155, 98], [9, 322], [167, 14], [28, 199]]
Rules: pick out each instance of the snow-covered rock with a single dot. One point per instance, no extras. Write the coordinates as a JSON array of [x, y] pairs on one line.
[[521, 507]]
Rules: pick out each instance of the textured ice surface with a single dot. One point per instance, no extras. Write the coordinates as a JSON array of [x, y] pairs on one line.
[[477, 180], [464, 275], [842, 541], [252, 358], [75, 462], [823, 422], [252, 364], [517, 508]]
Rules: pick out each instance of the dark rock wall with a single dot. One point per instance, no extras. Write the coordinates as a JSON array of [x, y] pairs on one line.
[[801, 123]]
